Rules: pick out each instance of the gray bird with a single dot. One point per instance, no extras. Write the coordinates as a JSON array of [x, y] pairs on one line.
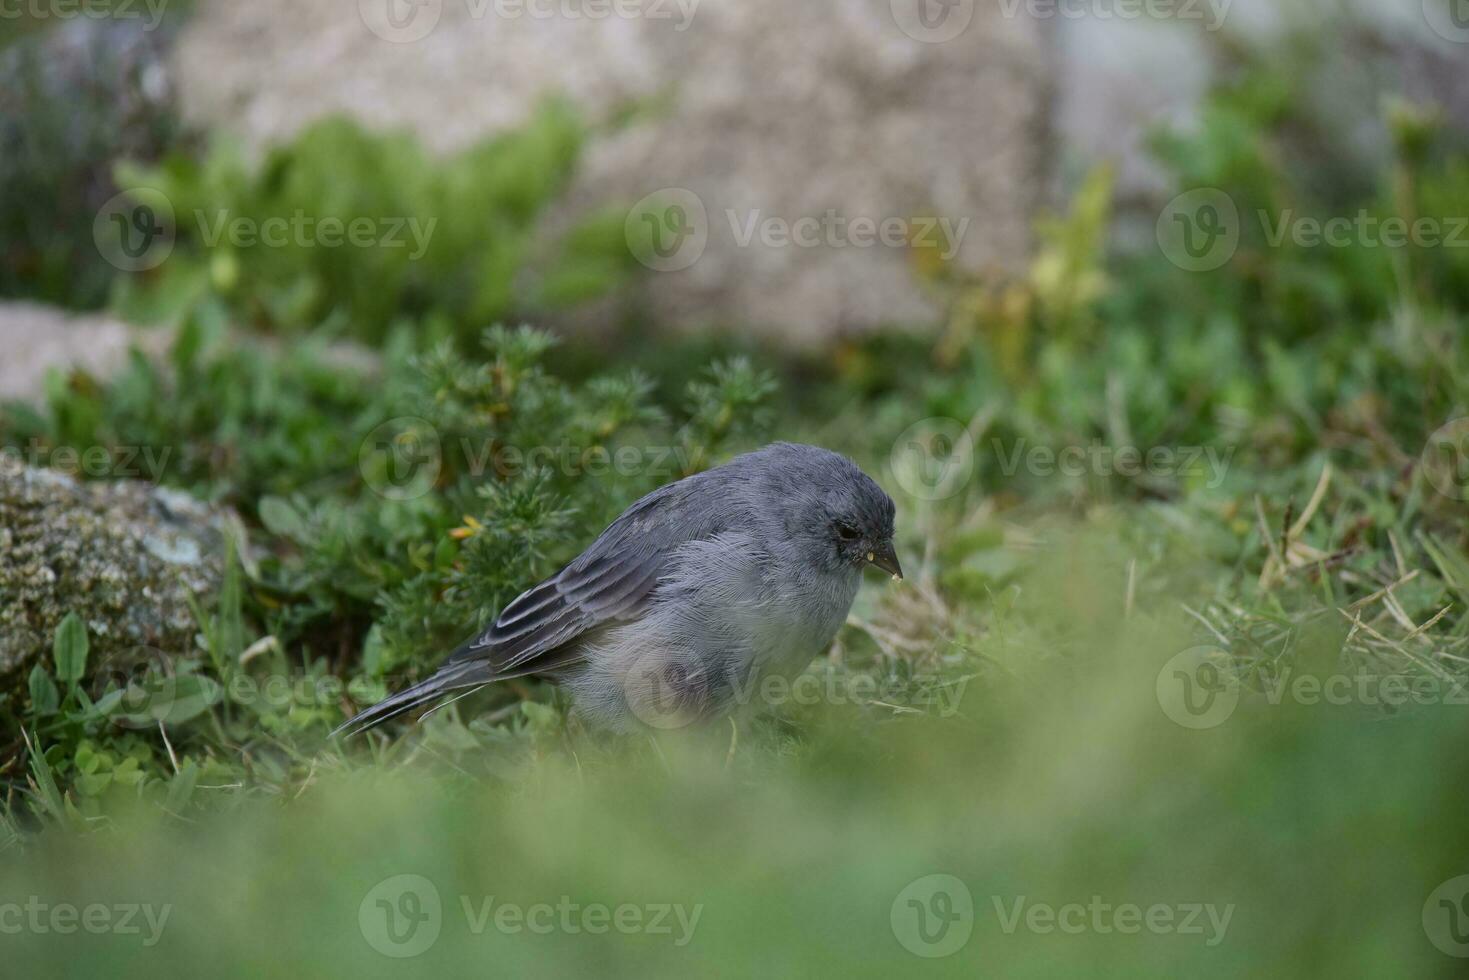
[[692, 597]]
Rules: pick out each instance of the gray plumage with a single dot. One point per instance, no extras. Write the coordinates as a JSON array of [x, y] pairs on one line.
[[688, 600]]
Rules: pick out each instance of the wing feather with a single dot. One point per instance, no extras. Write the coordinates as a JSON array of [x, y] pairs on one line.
[[609, 582]]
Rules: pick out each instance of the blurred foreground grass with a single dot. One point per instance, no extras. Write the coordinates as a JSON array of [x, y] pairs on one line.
[[1061, 778]]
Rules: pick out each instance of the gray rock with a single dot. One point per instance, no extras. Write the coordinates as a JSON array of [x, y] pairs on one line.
[[768, 110], [125, 557], [36, 338], [1121, 78]]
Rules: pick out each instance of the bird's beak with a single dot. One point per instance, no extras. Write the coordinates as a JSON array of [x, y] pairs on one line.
[[885, 558]]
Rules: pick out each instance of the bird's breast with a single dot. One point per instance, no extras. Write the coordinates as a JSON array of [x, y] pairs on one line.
[[803, 617]]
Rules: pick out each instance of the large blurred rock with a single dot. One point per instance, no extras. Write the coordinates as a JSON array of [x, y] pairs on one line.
[[1121, 78], [37, 338], [124, 556], [784, 108]]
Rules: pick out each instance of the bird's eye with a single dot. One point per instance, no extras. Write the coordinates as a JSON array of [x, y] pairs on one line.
[[846, 532]]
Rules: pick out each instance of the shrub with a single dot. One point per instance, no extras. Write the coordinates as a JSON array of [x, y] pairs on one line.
[[361, 230]]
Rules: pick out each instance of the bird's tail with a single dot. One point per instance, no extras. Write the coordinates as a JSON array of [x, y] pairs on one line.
[[450, 678]]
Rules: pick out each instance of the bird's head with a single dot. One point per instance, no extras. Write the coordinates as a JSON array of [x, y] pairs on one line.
[[836, 515], [859, 525]]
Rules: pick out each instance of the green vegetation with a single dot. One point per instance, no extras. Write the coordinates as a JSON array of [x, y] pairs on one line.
[[367, 231], [1230, 678], [68, 112]]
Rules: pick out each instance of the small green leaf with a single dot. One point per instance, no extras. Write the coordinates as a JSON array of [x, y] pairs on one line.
[[190, 696], [181, 788], [279, 517], [106, 704], [44, 698], [128, 777], [445, 553], [87, 760], [48, 797], [230, 626], [70, 649], [93, 784]]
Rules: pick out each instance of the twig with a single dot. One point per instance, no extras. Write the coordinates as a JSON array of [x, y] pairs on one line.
[[168, 745], [1269, 540], [1317, 496], [1207, 625]]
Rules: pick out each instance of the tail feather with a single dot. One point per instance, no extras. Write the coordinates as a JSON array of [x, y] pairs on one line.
[[450, 679], [454, 677]]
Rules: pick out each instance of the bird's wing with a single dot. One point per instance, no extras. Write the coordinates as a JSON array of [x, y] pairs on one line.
[[612, 580]]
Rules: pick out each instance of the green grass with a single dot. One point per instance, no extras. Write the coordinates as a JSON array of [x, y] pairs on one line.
[[1236, 685]]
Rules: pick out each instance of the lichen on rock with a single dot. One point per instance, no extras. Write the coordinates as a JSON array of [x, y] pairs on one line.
[[125, 557]]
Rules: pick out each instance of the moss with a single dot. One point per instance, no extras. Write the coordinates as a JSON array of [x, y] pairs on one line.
[[124, 556]]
